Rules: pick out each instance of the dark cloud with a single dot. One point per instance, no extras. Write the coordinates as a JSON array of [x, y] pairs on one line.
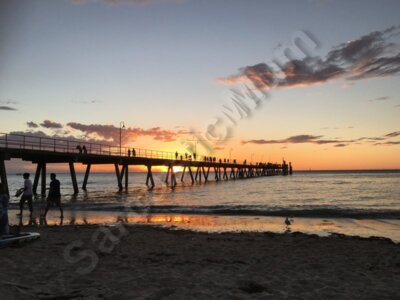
[[51, 124], [320, 140], [297, 139], [87, 102], [7, 108], [388, 143], [32, 125], [379, 99], [9, 101], [393, 134], [372, 55]]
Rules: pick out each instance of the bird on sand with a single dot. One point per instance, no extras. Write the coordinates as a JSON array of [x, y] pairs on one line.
[[287, 221]]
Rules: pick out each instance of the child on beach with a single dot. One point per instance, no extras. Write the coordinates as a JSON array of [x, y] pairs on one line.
[[4, 229]]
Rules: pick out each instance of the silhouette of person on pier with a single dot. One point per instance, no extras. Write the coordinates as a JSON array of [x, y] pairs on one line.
[[133, 152], [26, 195], [54, 196], [79, 148], [129, 152], [84, 150], [176, 155]]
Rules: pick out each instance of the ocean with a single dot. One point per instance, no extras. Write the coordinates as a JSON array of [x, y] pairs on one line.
[[365, 203]]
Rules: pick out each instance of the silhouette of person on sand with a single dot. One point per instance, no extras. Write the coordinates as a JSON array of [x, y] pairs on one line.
[[54, 195], [26, 195]]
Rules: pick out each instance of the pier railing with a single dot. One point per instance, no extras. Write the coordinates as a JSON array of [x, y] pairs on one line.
[[30, 142]]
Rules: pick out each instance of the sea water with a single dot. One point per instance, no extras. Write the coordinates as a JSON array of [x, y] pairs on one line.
[[362, 203]]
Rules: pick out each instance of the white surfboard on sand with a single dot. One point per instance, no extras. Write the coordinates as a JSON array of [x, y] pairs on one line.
[[18, 239]]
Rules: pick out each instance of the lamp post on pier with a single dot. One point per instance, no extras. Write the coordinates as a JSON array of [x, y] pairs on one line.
[[121, 126]]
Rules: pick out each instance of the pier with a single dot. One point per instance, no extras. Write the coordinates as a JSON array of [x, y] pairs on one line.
[[43, 151]]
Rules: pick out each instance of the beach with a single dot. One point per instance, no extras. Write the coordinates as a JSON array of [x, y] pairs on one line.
[[150, 262]]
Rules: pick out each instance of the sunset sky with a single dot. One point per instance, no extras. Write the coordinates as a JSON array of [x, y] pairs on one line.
[[183, 70]]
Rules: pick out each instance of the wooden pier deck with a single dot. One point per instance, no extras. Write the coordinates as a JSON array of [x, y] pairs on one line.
[[42, 151]]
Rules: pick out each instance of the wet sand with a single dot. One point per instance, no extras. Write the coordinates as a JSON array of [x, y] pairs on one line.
[[147, 262], [389, 228]]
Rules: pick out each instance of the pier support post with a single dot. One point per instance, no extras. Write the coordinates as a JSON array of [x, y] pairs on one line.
[[43, 180], [3, 175], [149, 177], [225, 176], [191, 174], [205, 174], [167, 177], [183, 173], [216, 171], [36, 180], [126, 177], [173, 177], [85, 180], [118, 176], [198, 174], [73, 177]]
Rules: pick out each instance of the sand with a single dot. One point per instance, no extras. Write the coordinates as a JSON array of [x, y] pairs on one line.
[[157, 263]]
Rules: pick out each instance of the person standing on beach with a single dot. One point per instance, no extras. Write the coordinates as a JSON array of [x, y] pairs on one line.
[[54, 195], [4, 229], [26, 195]]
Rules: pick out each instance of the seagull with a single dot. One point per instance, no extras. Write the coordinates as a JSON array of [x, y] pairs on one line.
[[287, 221]]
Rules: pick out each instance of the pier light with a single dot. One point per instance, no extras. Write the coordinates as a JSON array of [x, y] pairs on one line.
[[121, 126]]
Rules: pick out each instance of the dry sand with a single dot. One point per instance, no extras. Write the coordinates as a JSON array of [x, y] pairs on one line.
[[156, 263]]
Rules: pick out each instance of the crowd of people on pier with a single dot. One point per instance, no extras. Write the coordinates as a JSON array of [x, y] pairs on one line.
[[190, 157]]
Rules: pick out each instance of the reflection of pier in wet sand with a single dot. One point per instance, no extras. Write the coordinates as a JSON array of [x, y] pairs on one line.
[[42, 151]]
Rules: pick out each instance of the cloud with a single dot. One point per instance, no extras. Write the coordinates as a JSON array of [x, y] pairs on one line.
[[393, 134], [296, 139], [379, 99], [7, 108], [388, 143], [398, 105], [321, 140], [86, 102], [370, 56], [111, 132], [32, 125], [51, 124], [9, 101]]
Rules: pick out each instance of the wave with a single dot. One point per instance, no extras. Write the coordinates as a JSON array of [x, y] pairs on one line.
[[224, 210]]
